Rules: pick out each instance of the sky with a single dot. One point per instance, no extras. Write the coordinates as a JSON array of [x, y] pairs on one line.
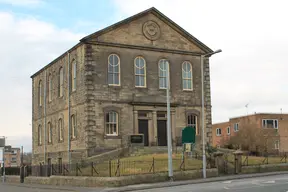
[[252, 69]]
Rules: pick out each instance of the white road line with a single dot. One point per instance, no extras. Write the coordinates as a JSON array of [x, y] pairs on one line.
[[228, 188], [268, 182], [227, 182]]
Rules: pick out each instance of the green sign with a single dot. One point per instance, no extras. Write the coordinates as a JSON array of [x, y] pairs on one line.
[[188, 134]]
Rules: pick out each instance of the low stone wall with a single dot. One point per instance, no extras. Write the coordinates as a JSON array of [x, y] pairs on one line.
[[264, 168], [115, 181], [11, 178]]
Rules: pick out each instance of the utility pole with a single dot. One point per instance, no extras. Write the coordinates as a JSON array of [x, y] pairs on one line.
[[22, 167], [203, 110], [169, 136]]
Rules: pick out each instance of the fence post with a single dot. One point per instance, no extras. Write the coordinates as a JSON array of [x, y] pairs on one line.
[[76, 169], [118, 167], [110, 171], [153, 165], [92, 167]]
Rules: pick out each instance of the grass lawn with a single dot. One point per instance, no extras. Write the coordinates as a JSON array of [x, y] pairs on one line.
[[139, 165]]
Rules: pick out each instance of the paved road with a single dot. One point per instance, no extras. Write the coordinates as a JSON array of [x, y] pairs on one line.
[[278, 183]]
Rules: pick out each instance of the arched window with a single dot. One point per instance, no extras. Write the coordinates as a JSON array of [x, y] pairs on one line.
[[111, 123], [192, 121], [40, 93], [39, 135], [187, 76], [50, 87], [49, 132], [60, 129], [73, 126], [113, 70], [74, 75], [163, 72], [61, 81], [140, 72]]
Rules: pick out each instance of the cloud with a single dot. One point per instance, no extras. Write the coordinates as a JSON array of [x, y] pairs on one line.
[[29, 3], [253, 65], [28, 45]]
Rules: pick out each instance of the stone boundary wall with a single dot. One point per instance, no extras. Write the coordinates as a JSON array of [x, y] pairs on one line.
[[112, 181], [264, 168]]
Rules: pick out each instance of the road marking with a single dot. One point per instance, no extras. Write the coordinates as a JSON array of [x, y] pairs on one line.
[[227, 182], [269, 182], [228, 188]]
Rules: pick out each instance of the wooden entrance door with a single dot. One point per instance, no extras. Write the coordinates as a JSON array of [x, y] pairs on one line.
[[162, 132], [143, 129]]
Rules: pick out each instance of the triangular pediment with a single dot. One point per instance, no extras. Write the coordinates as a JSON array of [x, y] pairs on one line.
[[149, 28]]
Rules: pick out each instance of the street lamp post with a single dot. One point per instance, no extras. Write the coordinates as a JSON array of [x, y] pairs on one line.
[[202, 116]]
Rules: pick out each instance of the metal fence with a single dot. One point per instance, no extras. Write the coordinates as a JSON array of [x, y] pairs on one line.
[[116, 168], [249, 159]]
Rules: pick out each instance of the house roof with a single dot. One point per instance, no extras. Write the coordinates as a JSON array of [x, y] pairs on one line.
[[158, 14], [152, 10]]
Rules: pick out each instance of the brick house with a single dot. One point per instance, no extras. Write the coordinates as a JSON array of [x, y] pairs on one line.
[[12, 157], [276, 123], [113, 84]]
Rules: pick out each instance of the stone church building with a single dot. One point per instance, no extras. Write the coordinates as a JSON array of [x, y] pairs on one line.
[[113, 84]]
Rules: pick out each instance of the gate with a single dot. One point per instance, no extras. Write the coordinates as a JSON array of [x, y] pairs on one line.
[[229, 163]]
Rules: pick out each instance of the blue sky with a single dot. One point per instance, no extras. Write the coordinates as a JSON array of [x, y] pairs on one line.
[[251, 69]]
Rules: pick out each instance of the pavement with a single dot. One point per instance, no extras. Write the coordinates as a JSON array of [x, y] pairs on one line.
[[264, 182]]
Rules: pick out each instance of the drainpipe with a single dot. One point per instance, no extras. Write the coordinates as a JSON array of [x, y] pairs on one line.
[[69, 123], [45, 88]]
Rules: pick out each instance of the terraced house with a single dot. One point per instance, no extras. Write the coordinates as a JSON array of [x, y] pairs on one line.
[[113, 84]]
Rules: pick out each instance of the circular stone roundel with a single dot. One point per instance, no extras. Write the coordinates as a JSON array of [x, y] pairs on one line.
[[151, 30]]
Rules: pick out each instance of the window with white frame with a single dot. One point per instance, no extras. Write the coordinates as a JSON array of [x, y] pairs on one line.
[[218, 132], [39, 135], [74, 75], [163, 73], [50, 87], [60, 129], [40, 93], [192, 121], [270, 123], [187, 76], [49, 132], [277, 144], [236, 127], [113, 70], [228, 130], [140, 72], [61, 81], [73, 126], [111, 124]]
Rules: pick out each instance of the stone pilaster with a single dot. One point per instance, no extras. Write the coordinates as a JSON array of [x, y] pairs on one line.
[[207, 99], [154, 121], [136, 126], [89, 121]]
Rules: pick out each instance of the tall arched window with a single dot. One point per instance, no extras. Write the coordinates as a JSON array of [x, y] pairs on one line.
[[39, 135], [49, 132], [50, 87], [61, 81], [111, 123], [192, 121], [60, 129], [40, 93], [74, 75], [73, 126], [113, 69], [163, 72], [187, 76], [140, 72]]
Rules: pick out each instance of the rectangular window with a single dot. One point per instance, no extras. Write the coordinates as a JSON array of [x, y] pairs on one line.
[[111, 123], [270, 123], [50, 87], [49, 133], [61, 81], [236, 127], [218, 132], [73, 124]]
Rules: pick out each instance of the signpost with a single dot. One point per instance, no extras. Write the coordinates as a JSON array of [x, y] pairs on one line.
[[188, 139]]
